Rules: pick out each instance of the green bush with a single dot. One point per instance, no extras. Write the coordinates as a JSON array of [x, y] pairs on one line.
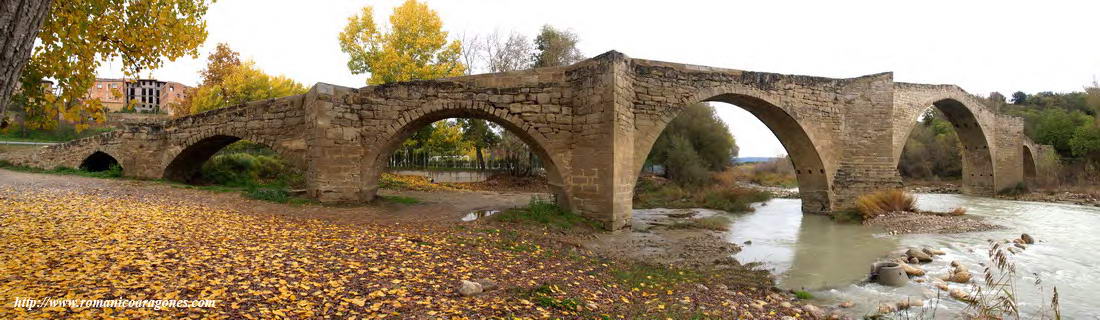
[[248, 170], [269, 194]]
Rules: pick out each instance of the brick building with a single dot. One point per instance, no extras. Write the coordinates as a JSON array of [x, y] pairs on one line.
[[147, 95]]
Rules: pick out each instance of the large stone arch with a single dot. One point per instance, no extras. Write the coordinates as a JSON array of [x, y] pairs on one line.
[[974, 131], [185, 158], [814, 173], [381, 147]]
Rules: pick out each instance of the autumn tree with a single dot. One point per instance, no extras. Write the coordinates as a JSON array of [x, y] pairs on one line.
[[480, 135], [556, 48], [415, 47], [243, 83], [219, 64], [77, 36]]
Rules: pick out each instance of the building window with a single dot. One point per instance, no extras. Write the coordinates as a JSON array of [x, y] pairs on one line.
[[99, 86]]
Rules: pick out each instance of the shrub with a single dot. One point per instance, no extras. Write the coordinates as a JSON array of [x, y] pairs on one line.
[[804, 295], [269, 194], [881, 202]]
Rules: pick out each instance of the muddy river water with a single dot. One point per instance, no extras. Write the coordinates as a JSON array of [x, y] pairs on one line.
[[830, 260]]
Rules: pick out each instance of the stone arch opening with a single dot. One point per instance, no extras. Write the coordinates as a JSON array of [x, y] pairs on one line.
[[99, 161], [976, 156], [377, 157], [186, 165], [233, 161], [1029, 163], [813, 177]]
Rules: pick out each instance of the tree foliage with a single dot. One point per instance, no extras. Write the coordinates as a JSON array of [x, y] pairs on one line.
[[556, 48], [415, 47], [932, 150], [243, 83], [79, 35], [694, 143]]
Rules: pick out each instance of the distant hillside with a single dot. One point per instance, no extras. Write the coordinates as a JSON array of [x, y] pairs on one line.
[[752, 159]]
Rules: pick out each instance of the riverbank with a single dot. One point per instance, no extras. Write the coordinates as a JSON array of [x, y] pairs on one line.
[[1078, 195], [267, 259], [903, 222]]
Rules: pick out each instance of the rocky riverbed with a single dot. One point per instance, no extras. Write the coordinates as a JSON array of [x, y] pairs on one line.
[[903, 222]]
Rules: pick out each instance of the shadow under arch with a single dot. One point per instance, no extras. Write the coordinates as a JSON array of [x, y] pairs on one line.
[[99, 161], [376, 164], [1029, 163], [977, 158], [810, 171]]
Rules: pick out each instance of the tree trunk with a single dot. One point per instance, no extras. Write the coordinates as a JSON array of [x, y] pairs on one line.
[[480, 159], [20, 21]]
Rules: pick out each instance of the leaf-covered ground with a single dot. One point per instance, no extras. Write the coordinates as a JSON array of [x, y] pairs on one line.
[[60, 243]]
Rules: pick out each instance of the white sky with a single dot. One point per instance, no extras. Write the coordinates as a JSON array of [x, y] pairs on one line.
[[982, 46]]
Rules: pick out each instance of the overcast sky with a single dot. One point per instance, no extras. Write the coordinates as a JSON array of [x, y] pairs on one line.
[[982, 46]]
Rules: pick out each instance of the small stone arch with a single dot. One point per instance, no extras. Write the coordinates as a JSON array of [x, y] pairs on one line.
[[1029, 165], [99, 161], [977, 151], [376, 152], [812, 172]]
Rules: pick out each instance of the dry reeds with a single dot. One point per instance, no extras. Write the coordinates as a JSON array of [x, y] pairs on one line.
[[874, 204]]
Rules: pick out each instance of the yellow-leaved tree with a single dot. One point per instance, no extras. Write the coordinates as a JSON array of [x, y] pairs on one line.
[[77, 36], [243, 83], [415, 47]]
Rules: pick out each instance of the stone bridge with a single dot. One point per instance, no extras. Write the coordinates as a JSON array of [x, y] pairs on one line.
[[593, 124]]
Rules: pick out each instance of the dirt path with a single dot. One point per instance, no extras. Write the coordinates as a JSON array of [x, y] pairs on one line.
[[435, 206]]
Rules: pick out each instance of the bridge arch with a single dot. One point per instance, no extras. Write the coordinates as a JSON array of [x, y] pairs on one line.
[[813, 172], [973, 133], [185, 163], [377, 153], [99, 161], [1029, 165]]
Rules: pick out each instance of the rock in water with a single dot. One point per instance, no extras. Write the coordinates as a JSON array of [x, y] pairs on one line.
[[933, 252], [961, 295], [920, 255], [846, 304], [1027, 239], [469, 288]]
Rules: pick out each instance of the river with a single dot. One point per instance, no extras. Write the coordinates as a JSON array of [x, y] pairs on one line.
[[830, 260]]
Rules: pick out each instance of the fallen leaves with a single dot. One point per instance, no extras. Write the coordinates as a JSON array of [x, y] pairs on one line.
[[64, 244]]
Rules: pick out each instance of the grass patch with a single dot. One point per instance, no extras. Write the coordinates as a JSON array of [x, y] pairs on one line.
[[268, 194], [400, 199], [881, 202], [551, 296], [658, 193], [715, 222], [112, 172], [637, 275], [804, 295], [541, 212]]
